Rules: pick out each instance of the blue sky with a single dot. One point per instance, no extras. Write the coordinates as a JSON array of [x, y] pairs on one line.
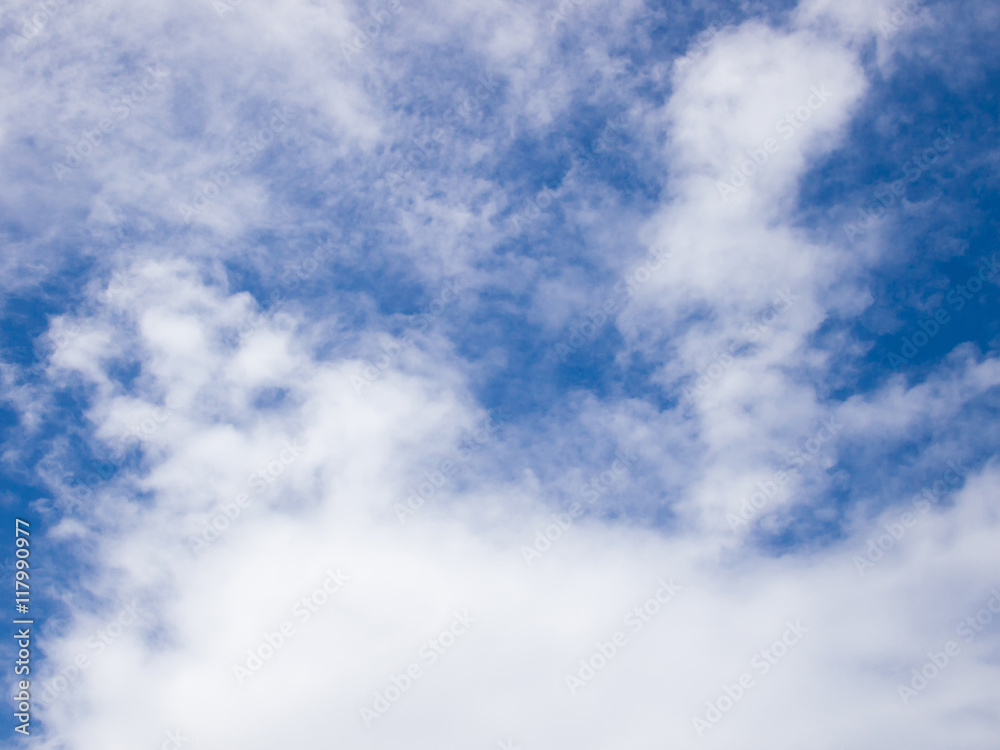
[[238, 258]]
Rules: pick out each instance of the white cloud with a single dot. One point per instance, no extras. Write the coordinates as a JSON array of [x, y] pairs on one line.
[[327, 509], [259, 445]]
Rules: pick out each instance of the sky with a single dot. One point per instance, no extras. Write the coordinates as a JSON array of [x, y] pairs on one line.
[[559, 375]]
